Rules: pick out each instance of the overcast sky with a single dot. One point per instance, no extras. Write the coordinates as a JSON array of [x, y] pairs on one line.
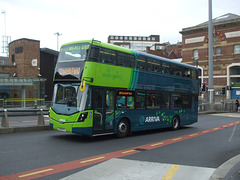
[[87, 19]]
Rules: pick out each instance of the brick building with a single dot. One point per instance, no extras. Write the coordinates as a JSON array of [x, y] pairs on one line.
[[226, 48], [167, 50], [28, 69]]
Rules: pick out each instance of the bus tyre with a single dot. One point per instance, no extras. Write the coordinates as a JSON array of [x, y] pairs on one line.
[[175, 123], [123, 128]]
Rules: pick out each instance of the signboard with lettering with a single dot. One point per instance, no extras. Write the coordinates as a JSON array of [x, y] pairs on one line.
[[75, 47], [69, 70], [125, 93]]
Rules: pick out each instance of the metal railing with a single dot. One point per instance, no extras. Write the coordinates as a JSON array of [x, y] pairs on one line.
[[19, 102], [218, 107]]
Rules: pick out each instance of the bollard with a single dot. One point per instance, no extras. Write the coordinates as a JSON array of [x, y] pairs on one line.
[[4, 119], [35, 104], [41, 118]]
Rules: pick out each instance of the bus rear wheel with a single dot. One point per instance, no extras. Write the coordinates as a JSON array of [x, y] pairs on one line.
[[175, 123], [123, 128]]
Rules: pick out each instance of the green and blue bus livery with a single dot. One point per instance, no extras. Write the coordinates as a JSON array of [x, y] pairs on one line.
[[106, 89]]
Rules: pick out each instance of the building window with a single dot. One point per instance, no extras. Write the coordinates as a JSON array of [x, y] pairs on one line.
[[116, 37], [153, 38], [121, 37], [125, 38], [130, 38], [218, 51], [2, 62], [13, 58], [149, 39], [195, 54], [18, 49], [112, 37], [237, 49], [135, 38], [139, 38], [144, 38]]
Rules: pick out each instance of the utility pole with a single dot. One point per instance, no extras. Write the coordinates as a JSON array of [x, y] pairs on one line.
[[58, 34], [210, 54]]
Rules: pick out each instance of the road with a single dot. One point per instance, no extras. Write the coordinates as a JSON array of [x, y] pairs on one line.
[[54, 155]]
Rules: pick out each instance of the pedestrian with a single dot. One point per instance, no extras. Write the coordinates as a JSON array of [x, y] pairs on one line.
[[237, 104]]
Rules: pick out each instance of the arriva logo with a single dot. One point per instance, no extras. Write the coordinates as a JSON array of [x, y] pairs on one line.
[[152, 119], [148, 119]]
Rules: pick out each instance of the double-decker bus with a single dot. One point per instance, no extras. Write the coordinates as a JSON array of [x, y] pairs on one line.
[[106, 89]]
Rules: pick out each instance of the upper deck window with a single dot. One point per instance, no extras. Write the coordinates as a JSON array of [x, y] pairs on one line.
[[165, 68], [107, 56], [153, 65], [186, 72], [141, 63], [194, 74], [126, 60], [176, 70]]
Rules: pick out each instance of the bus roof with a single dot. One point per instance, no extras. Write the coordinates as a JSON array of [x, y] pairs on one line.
[[126, 50], [164, 59], [102, 44]]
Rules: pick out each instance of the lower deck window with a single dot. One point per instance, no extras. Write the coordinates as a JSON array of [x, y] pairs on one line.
[[125, 102]]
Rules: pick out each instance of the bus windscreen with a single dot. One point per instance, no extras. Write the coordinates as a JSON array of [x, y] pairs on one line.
[[73, 52], [71, 61]]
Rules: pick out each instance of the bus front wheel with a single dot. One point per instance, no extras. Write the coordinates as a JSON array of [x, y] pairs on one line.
[[123, 128], [175, 123]]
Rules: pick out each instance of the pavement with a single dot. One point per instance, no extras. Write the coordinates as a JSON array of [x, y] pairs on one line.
[[122, 169]]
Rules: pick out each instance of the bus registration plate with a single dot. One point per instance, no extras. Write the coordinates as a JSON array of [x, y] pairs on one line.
[[62, 129]]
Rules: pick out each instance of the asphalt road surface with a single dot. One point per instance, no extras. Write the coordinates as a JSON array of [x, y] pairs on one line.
[[54, 155]]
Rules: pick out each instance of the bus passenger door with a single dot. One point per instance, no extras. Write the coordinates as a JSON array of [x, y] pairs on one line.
[[98, 109], [103, 118], [110, 115]]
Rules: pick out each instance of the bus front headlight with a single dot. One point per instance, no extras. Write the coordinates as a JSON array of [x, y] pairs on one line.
[[82, 117]]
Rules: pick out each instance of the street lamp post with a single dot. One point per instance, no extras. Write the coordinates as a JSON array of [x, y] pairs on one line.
[[210, 54], [5, 31], [58, 34], [4, 37]]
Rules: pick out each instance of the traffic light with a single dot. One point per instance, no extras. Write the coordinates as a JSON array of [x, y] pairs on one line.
[[229, 87], [203, 87], [223, 90]]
